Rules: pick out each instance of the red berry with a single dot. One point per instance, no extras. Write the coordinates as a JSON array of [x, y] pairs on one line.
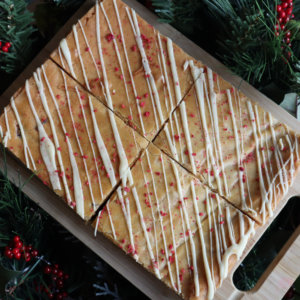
[[29, 248], [289, 1], [59, 296], [7, 252], [276, 27], [279, 20], [34, 253], [16, 250], [60, 273], [18, 256], [65, 294], [289, 54], [4, 49], [290, 4], [282, 26], [281, 14], [50, 296], [8, 44], [16, 238], [56, 266], [18, 244], [28, 259], [279, 8], [59, 282], [287, 40], [289, 10], [277, 33], [54, 278], [288, 33], [0, 43], [54, 271], [292, 16], [284, 5], [11, 256], [47, 270], [66, 276], [290, 44], [286, 19]]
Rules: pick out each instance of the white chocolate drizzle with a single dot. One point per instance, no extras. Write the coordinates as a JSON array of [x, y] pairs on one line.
[[26, 147], [80, 58], [47, 148], [264, 196], [66, 51]]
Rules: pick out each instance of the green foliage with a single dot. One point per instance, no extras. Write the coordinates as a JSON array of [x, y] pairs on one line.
[[15, 28], [182, 14]]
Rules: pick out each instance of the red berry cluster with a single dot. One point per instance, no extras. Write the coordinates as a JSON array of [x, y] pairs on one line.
[[5, 47], [17, 250], [284, 14], [57, 277]]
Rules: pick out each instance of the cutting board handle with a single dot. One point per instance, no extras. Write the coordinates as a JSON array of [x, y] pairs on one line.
[[279, 276]]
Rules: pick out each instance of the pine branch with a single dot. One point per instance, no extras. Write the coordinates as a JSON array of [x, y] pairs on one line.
[[15, 28]]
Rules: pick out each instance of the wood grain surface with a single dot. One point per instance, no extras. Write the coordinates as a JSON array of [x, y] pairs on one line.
[[280, 274]]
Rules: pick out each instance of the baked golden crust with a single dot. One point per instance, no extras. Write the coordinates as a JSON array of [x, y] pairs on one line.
[[234, 146], [133, 107], [132, 142], [157, 194]]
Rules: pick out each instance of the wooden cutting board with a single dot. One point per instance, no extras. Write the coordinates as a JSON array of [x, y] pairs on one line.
[[279, 276]]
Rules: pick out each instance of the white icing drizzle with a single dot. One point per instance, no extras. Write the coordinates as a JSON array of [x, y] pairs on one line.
[[66, 51], [79, 145], [213, 102], [235, 248], [91, 143], [123, 159], [187, 135], [55, 135], [210, 294], [263, 154], [153, 90], [174, 70], [47, 148], [26, 147], [292, 167], [264, 197], [161, 223], [154, 263], [209, 211], [102, 149], [7, 134], [276, 151], [80, 58], [238, 154], [171, 224], [90, 50], [76, 177], [128, 63], [192, 244], [185, 65], [119, 59], [200, 96], [153, 218]]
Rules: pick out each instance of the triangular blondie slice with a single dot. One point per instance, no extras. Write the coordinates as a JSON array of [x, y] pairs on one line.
[[77, 146], [127, 64], [175, 226], [233, 145]]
